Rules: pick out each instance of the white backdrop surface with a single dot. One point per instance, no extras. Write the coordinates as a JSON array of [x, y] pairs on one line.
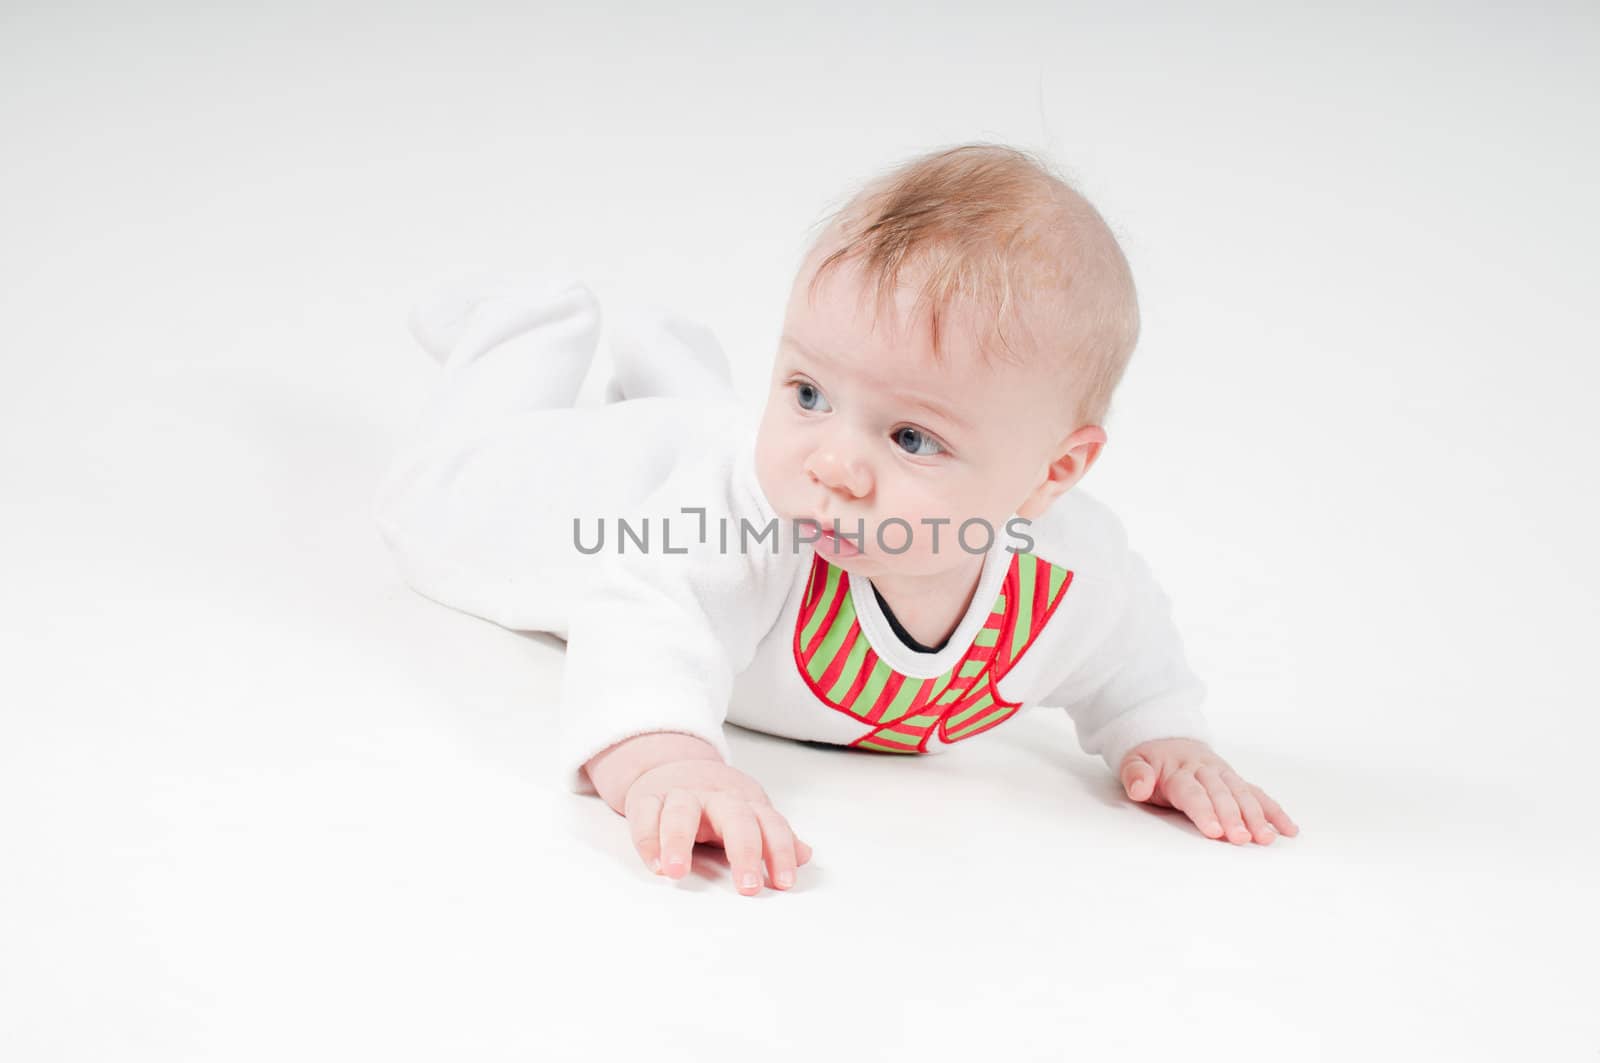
[[258, 799]]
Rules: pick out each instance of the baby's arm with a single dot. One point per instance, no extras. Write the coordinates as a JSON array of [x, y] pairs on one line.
[[1136, 703], [652, 651], [675, 790]]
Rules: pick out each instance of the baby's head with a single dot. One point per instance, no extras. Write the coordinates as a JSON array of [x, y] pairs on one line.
[[951, 343]]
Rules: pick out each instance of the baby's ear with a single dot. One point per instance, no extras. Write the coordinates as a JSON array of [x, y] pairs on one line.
[[1074, 455], [1085, 444]]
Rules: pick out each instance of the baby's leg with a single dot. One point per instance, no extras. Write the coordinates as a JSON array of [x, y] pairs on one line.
[[508, 342], [479, 508], [655, 352]]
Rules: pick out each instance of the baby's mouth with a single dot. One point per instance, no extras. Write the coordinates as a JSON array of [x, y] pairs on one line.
[[825, 542]]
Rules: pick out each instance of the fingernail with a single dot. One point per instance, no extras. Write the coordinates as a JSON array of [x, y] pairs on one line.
[[674, 865], [655, 865], [750, 881], [786, 879]]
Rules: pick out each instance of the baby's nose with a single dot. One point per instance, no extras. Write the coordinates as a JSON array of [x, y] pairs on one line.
[[838, 471]]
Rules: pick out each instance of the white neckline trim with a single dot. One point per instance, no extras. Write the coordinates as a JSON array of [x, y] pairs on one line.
[[902, 658]]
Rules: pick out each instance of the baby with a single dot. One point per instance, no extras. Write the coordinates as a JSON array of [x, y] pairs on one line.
[[893, 558]]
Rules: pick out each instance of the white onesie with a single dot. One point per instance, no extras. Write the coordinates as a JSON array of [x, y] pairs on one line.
[[700, 605]]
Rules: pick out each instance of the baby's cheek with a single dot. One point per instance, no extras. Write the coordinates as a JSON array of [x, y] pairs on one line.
[[923, 527]]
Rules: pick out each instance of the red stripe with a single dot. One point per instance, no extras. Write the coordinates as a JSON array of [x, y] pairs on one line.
[[1009, 623], [917, 735], [1033, 635], [910, 731], [935, 695], [819, 577], [885, 696], [965, 701], [1010, 708], [973, 721], [840, 592], [923, 697], [881, 739], [868, 663], [1041, 592], [836, 666], [969, 681]]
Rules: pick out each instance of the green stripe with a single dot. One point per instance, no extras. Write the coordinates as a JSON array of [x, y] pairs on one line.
[[852, 668], [833, 640], [1019, 636], [1058, 576], [974, 726], [984, 702], [869, 693], [902, 699]]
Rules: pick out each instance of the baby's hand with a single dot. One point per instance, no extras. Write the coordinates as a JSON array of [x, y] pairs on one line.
[[674, 805], [1187, 775]]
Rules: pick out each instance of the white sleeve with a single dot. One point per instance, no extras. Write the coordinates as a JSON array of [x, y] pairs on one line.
[[1136, 684], [655, 643]]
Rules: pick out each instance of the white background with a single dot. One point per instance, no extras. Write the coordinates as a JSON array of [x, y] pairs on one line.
[[259, 800]]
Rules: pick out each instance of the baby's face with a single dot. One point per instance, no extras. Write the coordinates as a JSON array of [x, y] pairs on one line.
[[861, 424]]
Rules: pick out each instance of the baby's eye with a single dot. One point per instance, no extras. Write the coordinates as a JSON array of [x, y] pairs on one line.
[[809, 396], [916, 441]]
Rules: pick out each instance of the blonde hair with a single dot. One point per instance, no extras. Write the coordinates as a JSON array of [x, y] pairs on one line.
[[997, 230]]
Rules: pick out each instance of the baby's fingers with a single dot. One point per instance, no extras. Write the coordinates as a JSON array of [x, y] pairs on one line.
[[1139, 778], [680, 823], [1275, 814], [1226, 807], [740, 831], [1250, 808], [1190, 798], [781, 846], [644, 825]]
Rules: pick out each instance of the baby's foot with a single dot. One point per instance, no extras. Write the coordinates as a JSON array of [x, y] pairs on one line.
[[440, 315], [655, 351]]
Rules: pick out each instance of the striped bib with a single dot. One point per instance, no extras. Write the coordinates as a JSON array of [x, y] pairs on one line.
[[842, 669]]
